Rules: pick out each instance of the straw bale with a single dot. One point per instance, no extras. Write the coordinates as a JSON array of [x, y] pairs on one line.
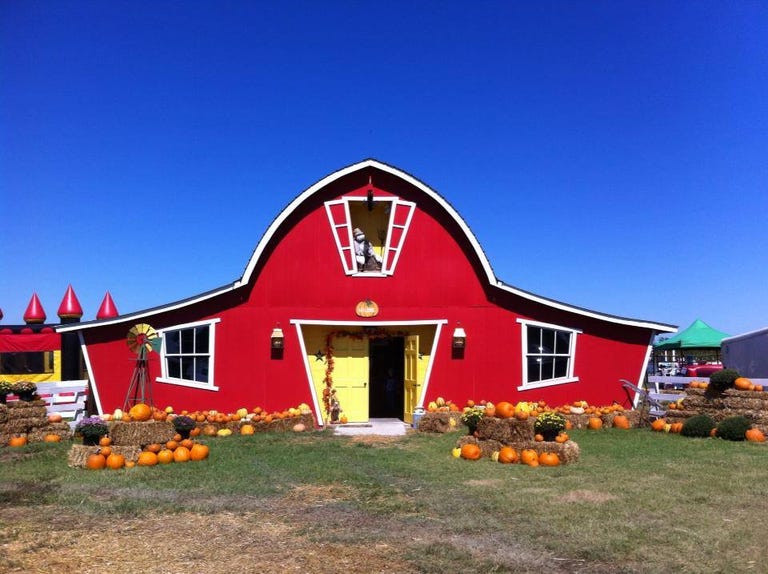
[[568, 451], [505, 431], [578, 421], [79, 453], [22, 425], [440, 422], [3, 413], [61, 429], [632, 416], [141, 433]]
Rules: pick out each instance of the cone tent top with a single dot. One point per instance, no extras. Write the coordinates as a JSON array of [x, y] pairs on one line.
[[70, 307], [698, 335]]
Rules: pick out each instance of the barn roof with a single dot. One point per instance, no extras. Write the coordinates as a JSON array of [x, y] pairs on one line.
[[276, 224]]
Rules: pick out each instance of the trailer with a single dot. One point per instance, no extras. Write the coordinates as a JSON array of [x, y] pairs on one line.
[[747, 353]]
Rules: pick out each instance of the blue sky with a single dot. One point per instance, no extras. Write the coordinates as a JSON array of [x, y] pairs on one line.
[[612, 155]]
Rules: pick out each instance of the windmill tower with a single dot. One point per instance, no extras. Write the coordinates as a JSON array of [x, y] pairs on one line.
[[142, 339]]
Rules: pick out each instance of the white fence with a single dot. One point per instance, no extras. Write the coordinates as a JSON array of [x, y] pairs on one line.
[[66, 398]]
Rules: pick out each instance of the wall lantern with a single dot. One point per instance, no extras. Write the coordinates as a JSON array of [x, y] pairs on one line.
[[277, 338], [459, 337]]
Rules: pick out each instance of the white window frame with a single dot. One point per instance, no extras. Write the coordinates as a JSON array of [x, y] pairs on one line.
[[569, 378], [342, 234], [210, 385]]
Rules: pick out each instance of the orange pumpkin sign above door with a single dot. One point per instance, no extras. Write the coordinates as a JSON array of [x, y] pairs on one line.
[[367, 309]]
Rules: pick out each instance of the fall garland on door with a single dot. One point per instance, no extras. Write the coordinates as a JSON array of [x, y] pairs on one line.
[[370, 333]]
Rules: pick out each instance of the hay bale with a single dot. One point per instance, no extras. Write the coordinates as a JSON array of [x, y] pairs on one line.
[[578, 421], [3, 413], [506, 431], [79, 453], [440, 422], [23, 425], [61, 429], [141, 433]]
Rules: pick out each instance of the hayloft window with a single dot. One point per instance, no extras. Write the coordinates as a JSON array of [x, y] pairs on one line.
[[548, 354], [188, 354], [369, 232]]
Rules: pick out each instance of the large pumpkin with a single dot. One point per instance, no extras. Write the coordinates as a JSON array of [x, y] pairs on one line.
[[247, 429], [147, 458], [470, 451], [755, 435], [595, 423], [95, 461], [507, 455], [165, 456], [658, 425], [140, 412], [198, 452], [505, 410], [17, 440], [115, 461], [549, 459], [52, 437], [620, 422], [743, 384], [181, 454], [529, 456], [366, 308]]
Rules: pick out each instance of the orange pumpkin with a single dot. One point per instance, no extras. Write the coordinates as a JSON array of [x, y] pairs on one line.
[[105, 450], [470, 451], [105, 441], [165, 456], [490, 411], [658, 425], [742, 384], [755, 435], [17, 440], [505, 410], [195, 432], [172, 445], [595, 423], [140, 412], [366, 308], [620, 422], [209, 430], [538, 437], [549, 459], [181, 454], [115, 461], [529, 456], [187, 443], [676, 427], [95, 461], [55, 418], [198, 452], [154, 447], [51, 437], [247, 429], [147, 458], [562, 437], [759, 388], [508, 455]]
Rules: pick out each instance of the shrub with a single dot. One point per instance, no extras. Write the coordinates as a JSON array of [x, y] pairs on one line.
[[733, 428], [722, 380], [698, 426]]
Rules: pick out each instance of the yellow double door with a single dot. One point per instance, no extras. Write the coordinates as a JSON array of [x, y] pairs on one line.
[[351, 377]]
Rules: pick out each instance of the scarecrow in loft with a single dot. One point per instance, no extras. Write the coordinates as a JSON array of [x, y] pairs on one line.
[[367, 259]]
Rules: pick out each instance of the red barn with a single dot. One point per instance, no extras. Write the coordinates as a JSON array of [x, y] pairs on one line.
[[370, 288]]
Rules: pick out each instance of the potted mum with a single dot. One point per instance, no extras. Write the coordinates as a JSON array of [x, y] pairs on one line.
[[472, 416], [183, 425], [25, 390], [549, 425], [91, 429]]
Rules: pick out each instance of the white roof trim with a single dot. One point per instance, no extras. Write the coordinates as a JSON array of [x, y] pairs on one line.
[[280, 219]]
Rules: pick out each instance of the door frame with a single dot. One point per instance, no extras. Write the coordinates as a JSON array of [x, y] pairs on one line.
[[301, 323]]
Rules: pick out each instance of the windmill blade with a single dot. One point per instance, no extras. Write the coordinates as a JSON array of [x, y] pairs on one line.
[[142, 335]]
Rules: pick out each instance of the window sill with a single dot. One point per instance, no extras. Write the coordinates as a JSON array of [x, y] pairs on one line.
[[190, 384], [552, 383]]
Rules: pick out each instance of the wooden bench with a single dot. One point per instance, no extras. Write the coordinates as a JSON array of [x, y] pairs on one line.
[[66, 398]]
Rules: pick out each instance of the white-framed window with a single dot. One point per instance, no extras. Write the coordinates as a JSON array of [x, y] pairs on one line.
[[187, 354], [548, 354], [369, 232]]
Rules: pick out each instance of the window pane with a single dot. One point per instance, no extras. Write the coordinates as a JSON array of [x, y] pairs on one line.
[[561, 367], [172, 346], [174, 367], [547, 368], [201, 369], [201, 340], [562, 343], [534, 339], [534, 373], [188, 341], [547, 341]]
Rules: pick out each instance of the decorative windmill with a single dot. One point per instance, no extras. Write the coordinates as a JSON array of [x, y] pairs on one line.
[[142, 339]]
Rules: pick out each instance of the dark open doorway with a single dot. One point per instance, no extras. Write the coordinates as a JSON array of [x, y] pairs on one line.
[[385, 399]]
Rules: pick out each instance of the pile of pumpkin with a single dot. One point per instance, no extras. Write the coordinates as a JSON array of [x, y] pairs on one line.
[[176, 450], [751, 434], [510, 455]]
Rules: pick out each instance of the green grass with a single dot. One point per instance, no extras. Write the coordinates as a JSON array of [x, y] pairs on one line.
[[636, 501]]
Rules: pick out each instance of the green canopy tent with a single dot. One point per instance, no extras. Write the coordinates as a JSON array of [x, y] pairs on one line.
[[698, 336]]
